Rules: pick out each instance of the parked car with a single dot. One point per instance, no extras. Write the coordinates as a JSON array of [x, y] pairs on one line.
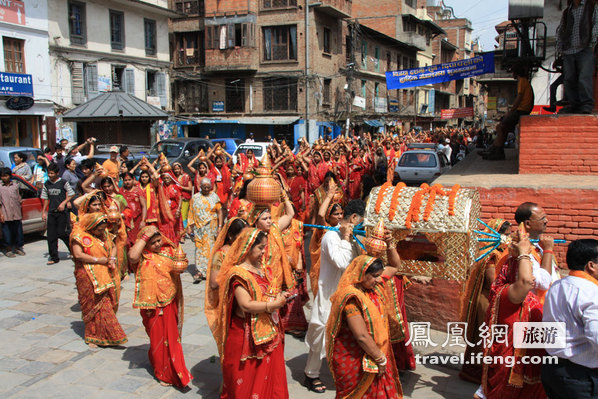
[[421, 166], [259, 150], [31, 206], [7, 155], [229, 145], [182, 149]]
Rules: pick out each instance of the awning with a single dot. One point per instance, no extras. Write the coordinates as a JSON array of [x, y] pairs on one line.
[[114, 106], [373, 123], [250, 120]]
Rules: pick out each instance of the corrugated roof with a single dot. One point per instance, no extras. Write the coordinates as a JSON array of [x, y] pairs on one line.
[[114, 105]]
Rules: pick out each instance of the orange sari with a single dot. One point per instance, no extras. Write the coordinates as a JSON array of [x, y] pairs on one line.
[[98, 286], [355, 373]]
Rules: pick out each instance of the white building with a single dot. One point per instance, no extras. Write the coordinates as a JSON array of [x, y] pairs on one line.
[[25, 66], [98, 46]]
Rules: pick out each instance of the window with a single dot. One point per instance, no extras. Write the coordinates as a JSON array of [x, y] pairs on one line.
[[278, 3], [363, 88], [280, 94], [399, 64], [230, 36], [327, 40], [364, 53], [410, 3], [91, 80], [280, 43], [150, 36], [192, 97], [155, 85], [118, 77], [388, 62], [77, 28], [117, 30], [190, 7], [377, 59], [187, 49], [235, 95], [326, 91], [349, 48], [376, 90], [14, 55]]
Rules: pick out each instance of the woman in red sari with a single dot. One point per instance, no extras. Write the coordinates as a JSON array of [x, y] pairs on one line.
[[186, 187], [356, 171], [364, 367], [159, 296], [149, 188], [248, 332], [135, 197], [297, 190], [512, 300], [221, 177], [169, 194], [97, 279]]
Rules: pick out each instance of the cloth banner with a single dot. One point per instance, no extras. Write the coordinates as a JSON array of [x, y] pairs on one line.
[[454, 113], [441, 72]]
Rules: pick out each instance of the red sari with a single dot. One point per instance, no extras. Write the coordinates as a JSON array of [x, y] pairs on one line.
[[134, 204], [171, 228], [251, 370], [221, 180], [403, 354], [313, 178], [356, 171], [522, 380], [151, 202], [297, 186], [159, 296]]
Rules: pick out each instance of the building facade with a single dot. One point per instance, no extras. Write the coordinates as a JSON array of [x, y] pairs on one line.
[[25, 67], [97, 47]]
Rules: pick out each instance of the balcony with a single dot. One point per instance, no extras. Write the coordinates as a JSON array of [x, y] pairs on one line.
[[413, 39], [335, 8], [233, 59]]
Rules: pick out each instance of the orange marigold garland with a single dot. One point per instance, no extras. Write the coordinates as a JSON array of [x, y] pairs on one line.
[[394, 201], [416, 202], [381, 193], [452, 198]]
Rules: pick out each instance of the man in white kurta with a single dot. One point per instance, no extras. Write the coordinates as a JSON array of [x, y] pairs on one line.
[[338, 249]]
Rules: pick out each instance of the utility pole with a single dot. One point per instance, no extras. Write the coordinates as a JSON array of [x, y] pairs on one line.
[[306, 39], [350, 70]]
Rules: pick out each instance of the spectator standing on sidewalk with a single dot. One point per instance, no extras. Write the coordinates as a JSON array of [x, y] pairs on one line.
[[11, 215], [576, 39], [572, 301], [56, 194]]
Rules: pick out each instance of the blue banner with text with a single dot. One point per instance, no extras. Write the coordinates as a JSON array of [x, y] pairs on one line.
[[16, 84], [441, 72]]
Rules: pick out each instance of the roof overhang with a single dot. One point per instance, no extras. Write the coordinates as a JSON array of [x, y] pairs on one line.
[[114, 106], [153, 8], [330, 10], [436, 30]]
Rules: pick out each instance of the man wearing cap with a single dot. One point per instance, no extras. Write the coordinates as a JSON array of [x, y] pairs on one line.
[[74, 151], [111, 165]]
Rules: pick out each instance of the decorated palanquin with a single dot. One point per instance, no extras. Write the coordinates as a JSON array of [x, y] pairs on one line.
[[432, 225]]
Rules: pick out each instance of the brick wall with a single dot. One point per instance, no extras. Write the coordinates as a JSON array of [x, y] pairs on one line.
[[559, 145], [572, 214]]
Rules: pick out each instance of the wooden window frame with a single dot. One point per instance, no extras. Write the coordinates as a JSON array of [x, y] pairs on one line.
[[14, 55], [81, 37], [152, 48]]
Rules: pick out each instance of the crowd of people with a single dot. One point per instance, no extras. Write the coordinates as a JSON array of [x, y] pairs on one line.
[[122, 218]]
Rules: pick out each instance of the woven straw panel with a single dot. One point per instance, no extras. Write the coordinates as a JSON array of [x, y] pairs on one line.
[[452, 235]]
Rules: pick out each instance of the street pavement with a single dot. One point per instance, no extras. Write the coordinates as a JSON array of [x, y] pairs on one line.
[[42, 353]]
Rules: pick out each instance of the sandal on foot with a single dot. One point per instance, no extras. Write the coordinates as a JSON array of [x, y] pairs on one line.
[[197, 278], [51, 262], [165, 384], [315, 384]]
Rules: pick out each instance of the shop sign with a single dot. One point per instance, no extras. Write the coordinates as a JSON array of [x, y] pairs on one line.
[[16, 84], [359, 102], [217, 106], [20, 103], [12, 11], [393, 106]]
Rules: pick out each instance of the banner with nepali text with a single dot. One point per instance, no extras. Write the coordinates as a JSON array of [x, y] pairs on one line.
[[441, 72], [455, 113]]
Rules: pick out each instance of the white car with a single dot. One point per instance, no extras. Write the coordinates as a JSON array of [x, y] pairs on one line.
[[421, 166], [259, 150]]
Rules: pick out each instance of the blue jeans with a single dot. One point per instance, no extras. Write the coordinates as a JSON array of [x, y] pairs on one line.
[[13, 234], [578, 69]]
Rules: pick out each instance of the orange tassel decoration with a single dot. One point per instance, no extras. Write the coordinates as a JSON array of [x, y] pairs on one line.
[[394, 201]]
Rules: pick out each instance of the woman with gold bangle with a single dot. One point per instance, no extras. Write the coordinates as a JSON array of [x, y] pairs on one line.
[[249, 334]]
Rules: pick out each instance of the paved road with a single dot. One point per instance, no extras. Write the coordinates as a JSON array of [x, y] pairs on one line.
[[42, 353]]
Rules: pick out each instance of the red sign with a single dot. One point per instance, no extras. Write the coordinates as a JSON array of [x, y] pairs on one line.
[[454, 113], [539, 110], [12, 11]]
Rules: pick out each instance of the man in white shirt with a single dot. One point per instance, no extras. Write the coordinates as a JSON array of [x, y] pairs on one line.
[[338, 249], [574, 301], [250, 139]]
